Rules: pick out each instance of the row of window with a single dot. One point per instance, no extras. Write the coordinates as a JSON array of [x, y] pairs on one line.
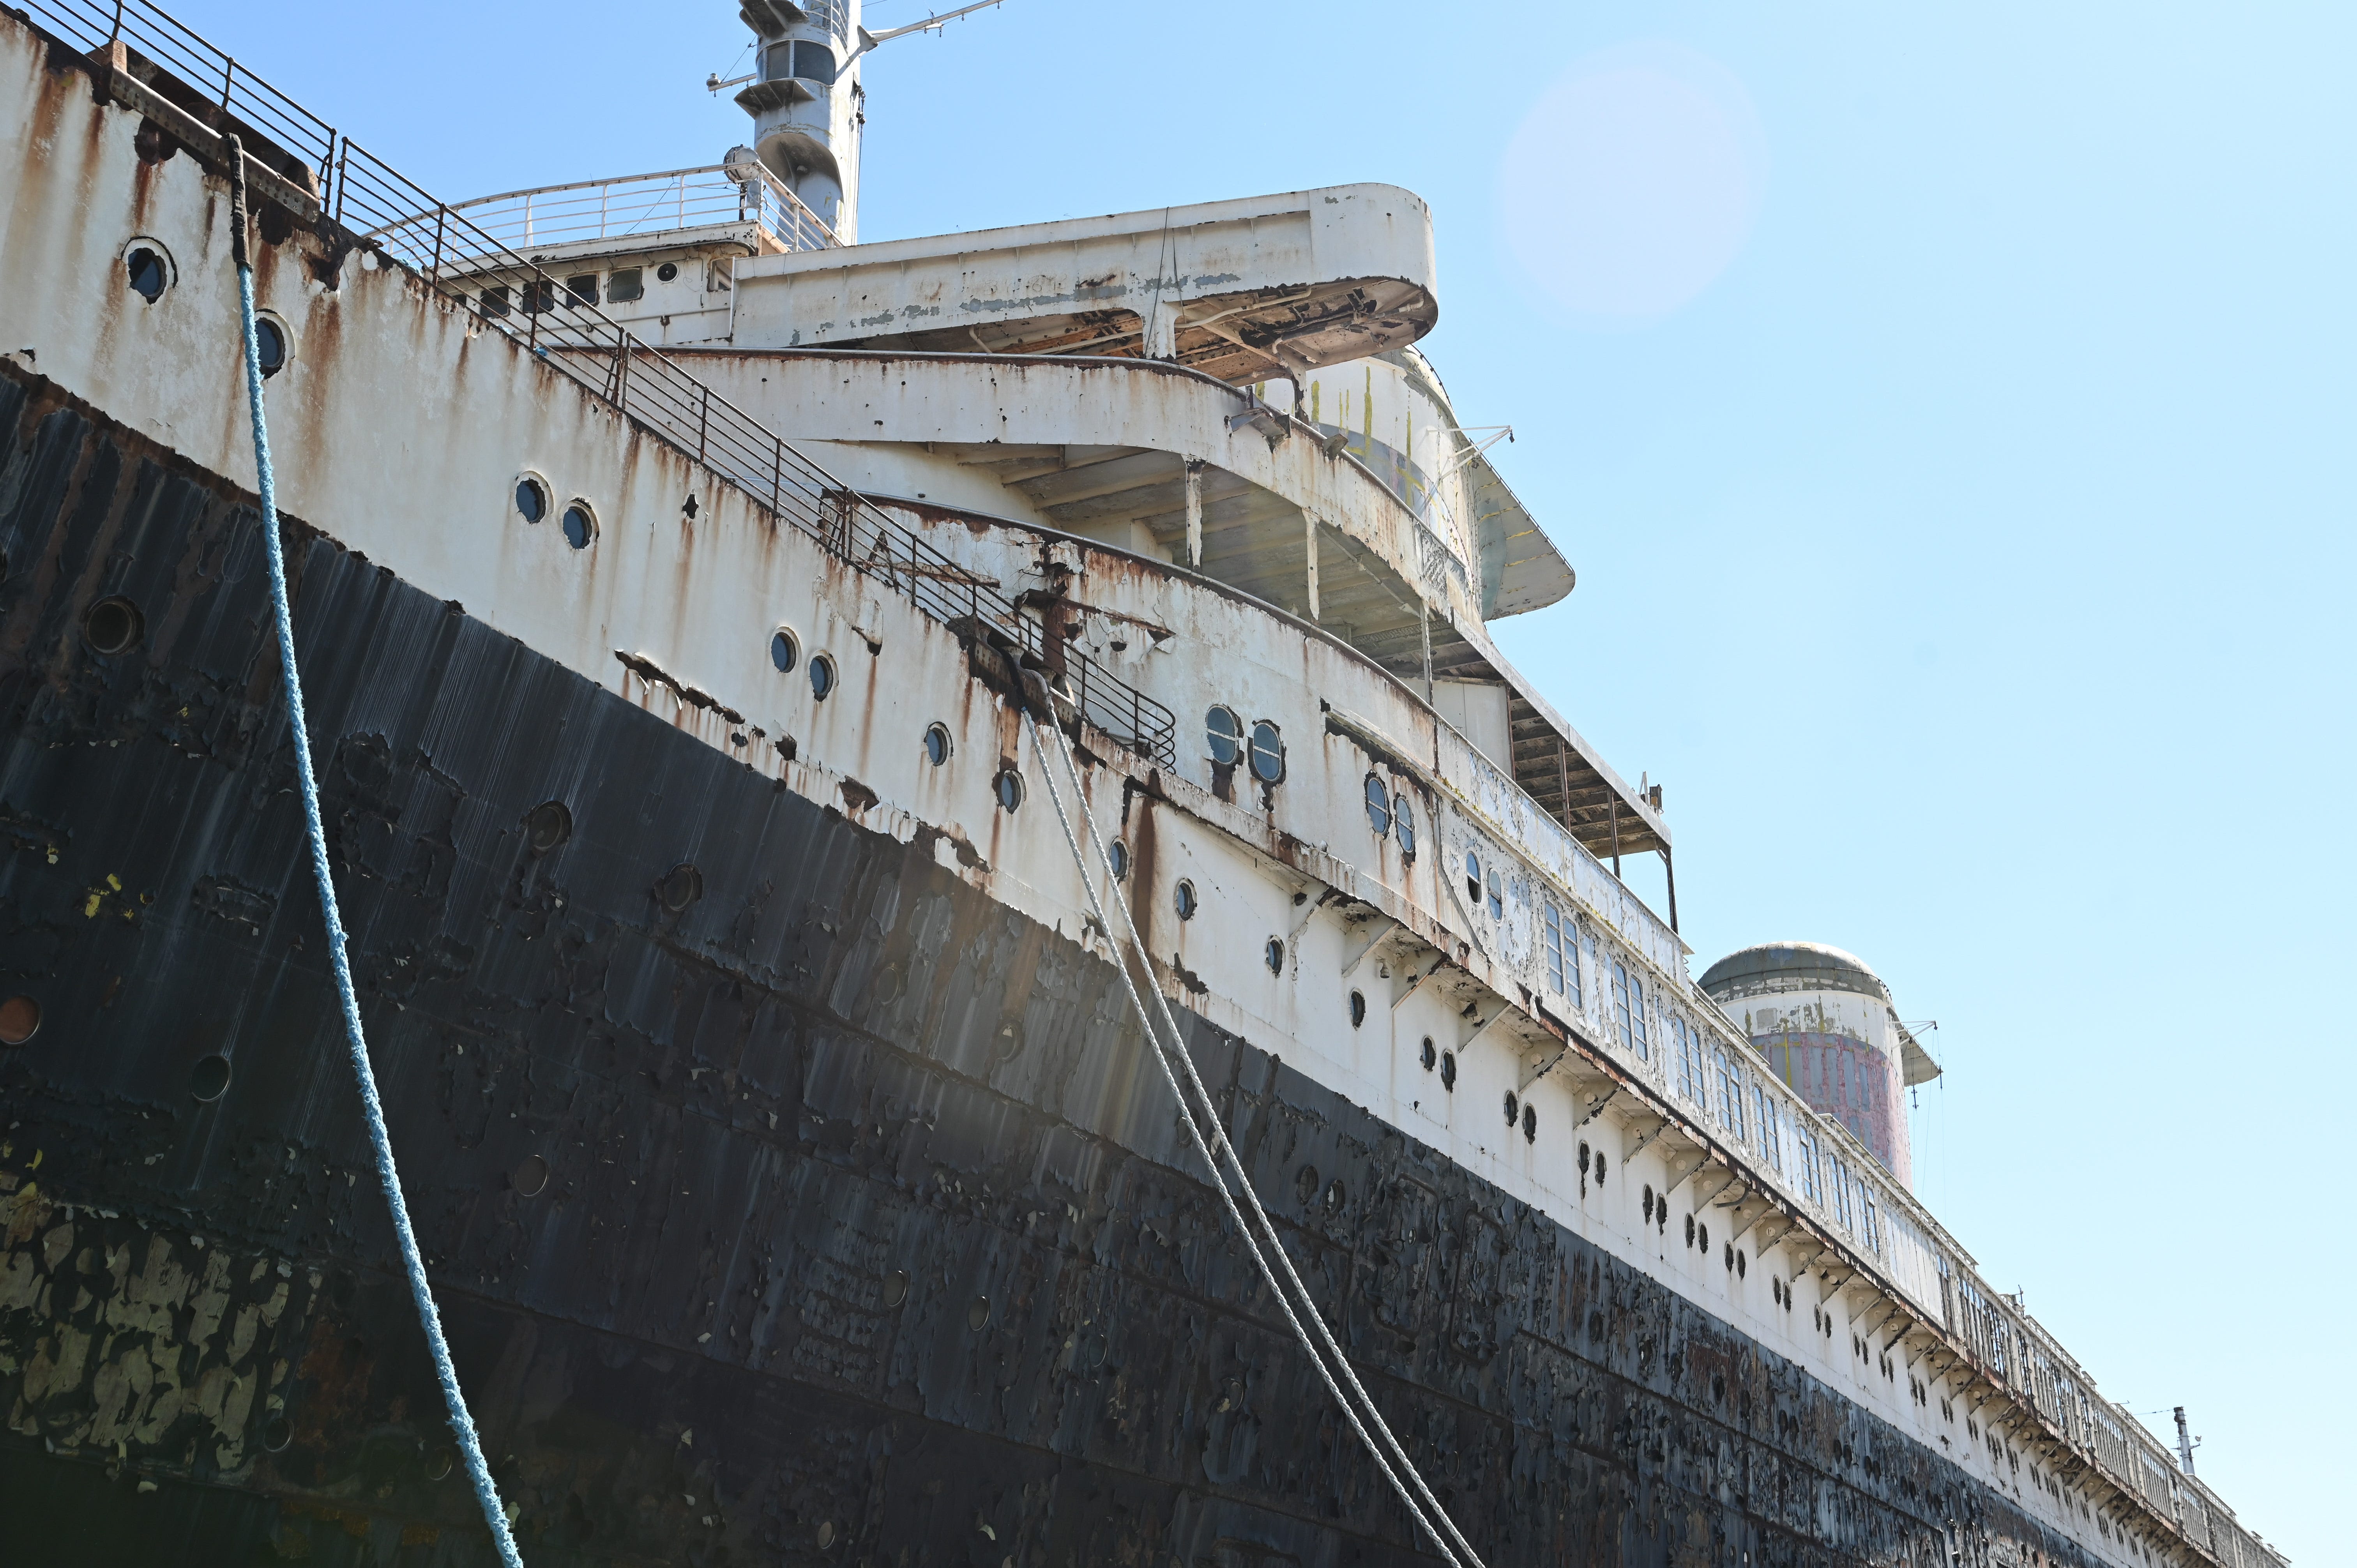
[[1230, 743], [538, 297]]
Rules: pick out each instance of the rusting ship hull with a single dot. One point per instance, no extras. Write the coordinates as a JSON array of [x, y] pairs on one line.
[[834, 1216]]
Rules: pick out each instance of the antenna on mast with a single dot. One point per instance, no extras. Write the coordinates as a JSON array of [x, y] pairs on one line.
[[932, 23]]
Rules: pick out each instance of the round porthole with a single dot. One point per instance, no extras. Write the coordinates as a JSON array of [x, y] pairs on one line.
[[270, 337], [821, 677], [1273, 955], [1223, 735], [1473, 879], [1513, 1108], [276, 1434], [147, 270], [547, 825], [580, 525], [667, 272], [681, 886], [937, 745], [20, 1020], [1183, 899], [531, 1178], [208, 1080], [785, 650], [1531, 1125], [1497, 899], [1267, 752], [530, 498], [1600, 1167], [113, 626], [1448, 1071], [1358, 1008], [1431, 1054], [1690, 1230], [1404, 822], [1117, 857], [1379, 806], [977, 1315], [1702, 1234], [1009, 787]]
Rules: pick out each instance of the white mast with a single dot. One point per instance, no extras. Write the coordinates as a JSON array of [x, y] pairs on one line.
[[807, 105]]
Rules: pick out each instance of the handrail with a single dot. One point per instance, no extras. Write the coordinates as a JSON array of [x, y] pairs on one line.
[[395, 222], [622, 206]]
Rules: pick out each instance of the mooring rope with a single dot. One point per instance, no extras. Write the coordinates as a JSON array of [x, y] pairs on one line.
[[460, 1421], [1421, 1504]]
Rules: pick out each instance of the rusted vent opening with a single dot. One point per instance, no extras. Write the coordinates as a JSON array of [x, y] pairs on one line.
[[113, 626], [148, 273], [208, 1080], [531, 1178], [20, 1020], [547, 826], [682, 884]]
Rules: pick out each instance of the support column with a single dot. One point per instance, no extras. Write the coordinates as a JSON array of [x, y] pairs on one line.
[[1423, 626], [1195, 512], [1309, 538], [1669, 874]]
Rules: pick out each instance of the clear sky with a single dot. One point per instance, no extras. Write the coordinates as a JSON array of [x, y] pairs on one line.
[[1948, 409]]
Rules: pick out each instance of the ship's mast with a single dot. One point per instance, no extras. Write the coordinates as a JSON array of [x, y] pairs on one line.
[[805, 99]]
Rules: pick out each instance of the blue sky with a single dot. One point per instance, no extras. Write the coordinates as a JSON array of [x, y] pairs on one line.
[[1966, 548]]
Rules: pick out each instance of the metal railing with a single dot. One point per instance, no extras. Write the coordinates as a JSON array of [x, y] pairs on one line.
[[638, 206], [395, 222]]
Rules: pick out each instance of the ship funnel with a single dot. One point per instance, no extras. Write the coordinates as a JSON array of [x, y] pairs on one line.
[[807, 105], [1824, 1024]]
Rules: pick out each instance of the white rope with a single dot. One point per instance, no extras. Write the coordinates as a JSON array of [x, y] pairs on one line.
[[1413, 1492]]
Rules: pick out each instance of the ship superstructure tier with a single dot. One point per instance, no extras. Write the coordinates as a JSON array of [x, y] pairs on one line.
[[682, 581]]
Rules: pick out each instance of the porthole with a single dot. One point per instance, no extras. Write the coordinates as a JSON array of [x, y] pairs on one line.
[[276, 1434], [1404, 820], [681, 886], [149, 270], [1731, 1256], [1690, 1230], [1582, 1161], [208, 1080], [1473, 880], [822, 679], [1117, 860], [20, 1020], [1448, 1071], [667, 272], [531, 498], [1358, 1009], [1431, 1055], [530, 1178], [1224, 736], [1649, 1203], [1701, 1235], [270, 343], [1497, 899], [547, 825], [1267, 752], [1009, 788], [113, 626], [1379, 806], [1183, 899], [1305, 1183], [1530, 1124], [1273, 955], [938, 744], [1738, 1262], [1600, 1167], [785, 650], [1513, 1108], [580, 525]]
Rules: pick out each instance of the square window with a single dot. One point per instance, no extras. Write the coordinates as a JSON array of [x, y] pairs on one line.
[[626, 284]]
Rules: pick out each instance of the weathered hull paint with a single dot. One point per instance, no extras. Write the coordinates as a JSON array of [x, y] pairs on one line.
[[836, 1218]]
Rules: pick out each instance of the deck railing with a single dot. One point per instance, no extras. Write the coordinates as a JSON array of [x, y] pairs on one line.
[[638, 206], [395, 222]]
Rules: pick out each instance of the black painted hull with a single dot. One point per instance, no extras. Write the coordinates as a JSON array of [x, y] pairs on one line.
[[866, 1235]]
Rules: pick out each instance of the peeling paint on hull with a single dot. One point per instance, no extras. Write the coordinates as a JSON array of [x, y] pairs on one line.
[[866, 1234]]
